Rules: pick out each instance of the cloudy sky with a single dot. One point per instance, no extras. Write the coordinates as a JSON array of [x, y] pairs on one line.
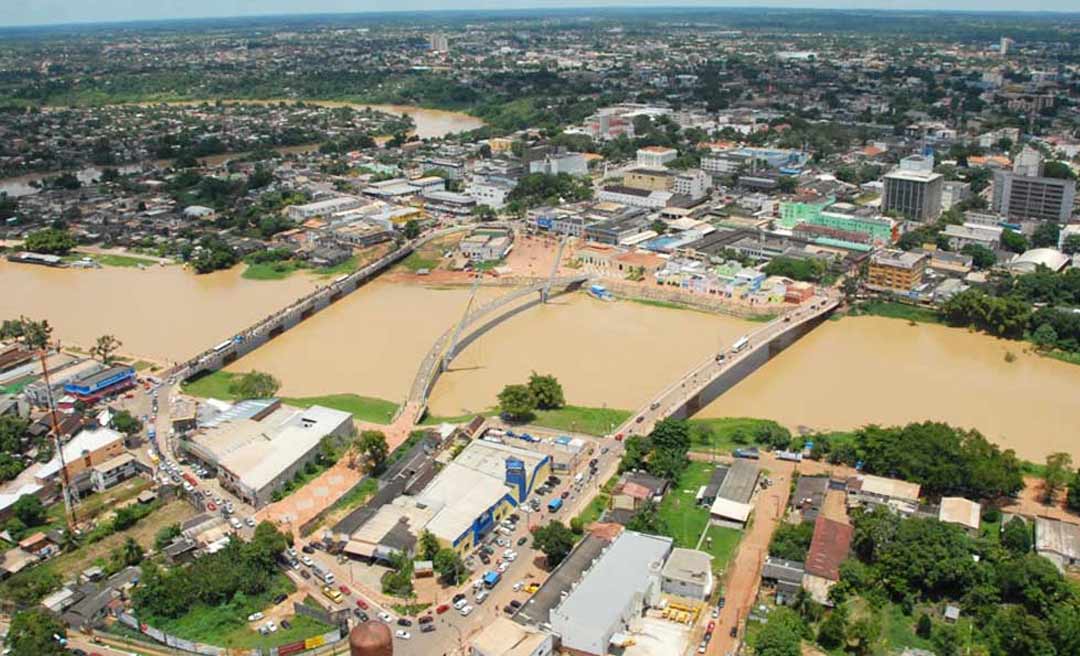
[[38, 12]]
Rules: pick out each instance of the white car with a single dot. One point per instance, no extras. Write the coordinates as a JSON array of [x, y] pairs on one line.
[[518, 586], [271, 627], [502, 567], [386, 617], [465, 611], [250, 521], [512, 556], [461, 603], [402, 634], [255, 617], [235, 523], [507, 553], [306, 560]]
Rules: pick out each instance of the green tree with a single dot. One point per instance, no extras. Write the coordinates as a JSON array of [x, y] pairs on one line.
[[547, 391], [1057, 474], [1072, 499], [52, 241], [791, 541], [1016, 536], [34, 334], [165, 536], [448, 564], [105, 347], [517, 402], [126, 423], [29, 510], [411, 229], [924, 626], [254, 385], [782, 634], [1013, 241], [981, 256], [429, 545], [1071, 245], [1046, 235], [648, 519], [832, 633], [555, 541], [131, 553], [372, 444], [34, 632], [864, 633], [1045, 337]]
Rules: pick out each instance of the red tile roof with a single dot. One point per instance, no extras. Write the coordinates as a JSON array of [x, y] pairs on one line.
[[828, 548]]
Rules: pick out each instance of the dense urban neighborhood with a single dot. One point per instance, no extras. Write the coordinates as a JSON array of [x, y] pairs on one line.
[[647, 332]]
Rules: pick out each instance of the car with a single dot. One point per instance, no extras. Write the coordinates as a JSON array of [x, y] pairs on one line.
[[640, 419], [509, 610], [442, 608], [715, 612], [720, 603], [291, 552], [484, 559], [345, 590], [425, 619], [235, 523], [512, 557], [502, 567], [286, 624], [386, 617], [522, 540], [308, 549], [360, 603], [280, 598], [710, 627], [604, 450], [518, 586], [703, 647], [271, 627], [507, 552], [427, 628], [619, 437], [255, 617], [734, 632], [78, 652], [306, 574], [250, 521], [218, 500], [515, 603], [461, 595], [515, 518], [403, 635], [565, 494], [307, 560], [465, 611], [360, 615], [404, 621]]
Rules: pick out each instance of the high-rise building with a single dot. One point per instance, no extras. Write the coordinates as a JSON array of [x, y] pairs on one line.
[[896, 270], [1025, 193], [913, 189], [439, 42]]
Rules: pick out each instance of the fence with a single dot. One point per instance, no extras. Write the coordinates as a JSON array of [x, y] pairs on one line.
[[193, 647]]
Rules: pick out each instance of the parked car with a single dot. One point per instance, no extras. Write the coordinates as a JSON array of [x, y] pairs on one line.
[[515, 603], [286, 624], [442, 609], [280, 598], [386, 617], [404, 621], [360, 603], [522, 540], [425, 619], [427, 628], [255, 617], [306, 574], [403, 635], [345, 590]]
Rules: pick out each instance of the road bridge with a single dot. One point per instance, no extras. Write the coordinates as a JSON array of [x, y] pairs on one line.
[[266, 329], [721, 371], [454, 340]]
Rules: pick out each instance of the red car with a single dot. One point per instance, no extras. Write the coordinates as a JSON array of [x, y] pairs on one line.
[[361, 604], [442, 609], [619, 437], [712, 625], [345, 590]]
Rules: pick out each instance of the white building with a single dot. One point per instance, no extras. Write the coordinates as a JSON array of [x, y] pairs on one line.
[[571, 163], [634, 197], [505, 637], [693, 183], [688, 573], [492, 193], [655, 157], [323, 207]]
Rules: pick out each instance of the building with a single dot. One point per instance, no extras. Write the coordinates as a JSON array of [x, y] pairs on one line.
[[486, 245], [1058, 541], [866, 489], [809, 496], [635, 488], [554, 164], [439, 42], [687, 573], [113, 471], [323, 207], [602, 609], [877, 230], [259, 446], [694, 183], [785, 576], [655, 157], [1030, 261], [623, 195], [89, 448], [732, 506], [828, 548], [1025, 193], [958, 510], [649, 179], [953, 192], [505, 637], [896, 270], [960, 236], [478, 488], [492, 192], [914, 194], [96, 386]]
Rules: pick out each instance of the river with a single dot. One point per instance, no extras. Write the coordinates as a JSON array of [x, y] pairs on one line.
[[862, 370], [430, 124], [165, 313]]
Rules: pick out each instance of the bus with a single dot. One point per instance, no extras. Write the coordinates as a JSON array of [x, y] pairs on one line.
[[740, 344]]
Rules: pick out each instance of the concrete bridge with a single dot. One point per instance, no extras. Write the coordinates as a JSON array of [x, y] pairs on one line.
[[721, 371], [266, 329], [454, 340]]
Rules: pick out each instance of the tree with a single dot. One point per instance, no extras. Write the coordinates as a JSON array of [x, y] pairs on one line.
[[51, 241], [254, 385], [411, 230], [29, 510], [429, 545], [981, 256], [1071, 245], [924, 626], [165, 536], [449, 566], [104, 348], [648, 519], [1072, 499], [34, 334], [517, 402], [781, 635], [863, 633], [126, 423], [1046, 235], [555, 541], [34, 632], [372, 444], [1016, 536], [833, 631], [547, 391], [792, 541], [131, 552], [1045, 337], [1013, 241], [1057, 474]]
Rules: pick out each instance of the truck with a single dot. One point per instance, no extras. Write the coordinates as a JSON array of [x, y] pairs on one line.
[[751, 453], [491, 579], [554, 505]]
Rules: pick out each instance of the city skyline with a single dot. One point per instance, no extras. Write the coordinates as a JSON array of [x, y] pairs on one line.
[[60, 12]]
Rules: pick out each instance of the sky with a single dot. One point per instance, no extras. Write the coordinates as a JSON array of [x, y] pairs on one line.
[[42, 12]]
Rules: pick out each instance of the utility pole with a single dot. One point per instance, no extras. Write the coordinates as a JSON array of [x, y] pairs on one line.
[[65, 487]]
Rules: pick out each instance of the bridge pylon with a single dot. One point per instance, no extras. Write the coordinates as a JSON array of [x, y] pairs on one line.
[[545, 292]]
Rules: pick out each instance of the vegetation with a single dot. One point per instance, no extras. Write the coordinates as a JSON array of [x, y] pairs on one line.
[[372, 444], [33, 632], [547, 391], [254, 385], [726, 433], [398, 581], [576, 419], [362, 408], [517, 402], [536, 189], [792, 541], [893, 310], [51, 241], [105, 347], [810, 270], [662, 452], [555, 540]]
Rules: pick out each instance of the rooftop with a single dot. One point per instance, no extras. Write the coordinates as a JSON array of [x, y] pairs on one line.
[[828, 548], [958, 510], [1056, 536], [87, 441], [740, 481], [688, 565], [507, 638]]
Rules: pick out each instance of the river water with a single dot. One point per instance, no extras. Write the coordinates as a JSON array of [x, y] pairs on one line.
[[862, 370], [430, 123]]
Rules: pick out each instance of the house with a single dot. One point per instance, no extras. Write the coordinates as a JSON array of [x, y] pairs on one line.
[[809, 496], [786, 576], [687, 573], [505, 637], [866, 489], [707, 494], [1058, 541], [635, 488], [828, 548], [958, 510]]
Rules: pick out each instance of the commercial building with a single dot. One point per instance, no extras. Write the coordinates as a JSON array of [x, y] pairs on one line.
[[492, 192], [259, 446], [554, 164], [602, 609], [1025, 193], [85, 450], [1031, 260], [896, 270], [953, 192], [323, 207], [478, 488], [960, 236], [486, 245], [694, 183], [113, 471], [634, 197], [505, 637], [96, 386], [878, 230], [687, 573], [655, 157], [914, 194], [649, 179]]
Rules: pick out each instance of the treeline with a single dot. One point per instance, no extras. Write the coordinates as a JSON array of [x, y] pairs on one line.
[[944, 460], [1015, 317], [241, 568], [662, 453], [538, 189]]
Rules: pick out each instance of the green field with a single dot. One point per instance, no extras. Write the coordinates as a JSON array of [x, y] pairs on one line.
[[684, 519], [112, 259], [348, 266], [416, 261], [721, 542], [270, 270], [728, 433], [577, 419], [214, 385], [364, 408], [599, 504]]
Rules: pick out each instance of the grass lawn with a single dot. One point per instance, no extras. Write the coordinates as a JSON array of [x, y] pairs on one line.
[[111, 259], [725, 430], [721, 542], [684, 519], [669, 305], [92, 505], [892, 310], [213, 385], [364, 408], [435, 420], [417, 261], [576, 419], [270, 270], [348, 266], [599, 504]]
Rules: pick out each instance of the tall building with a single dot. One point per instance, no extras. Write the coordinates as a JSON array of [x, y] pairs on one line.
[[439, 42], [896, 270], [913, 191], [655, 157], [1025, 193]]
